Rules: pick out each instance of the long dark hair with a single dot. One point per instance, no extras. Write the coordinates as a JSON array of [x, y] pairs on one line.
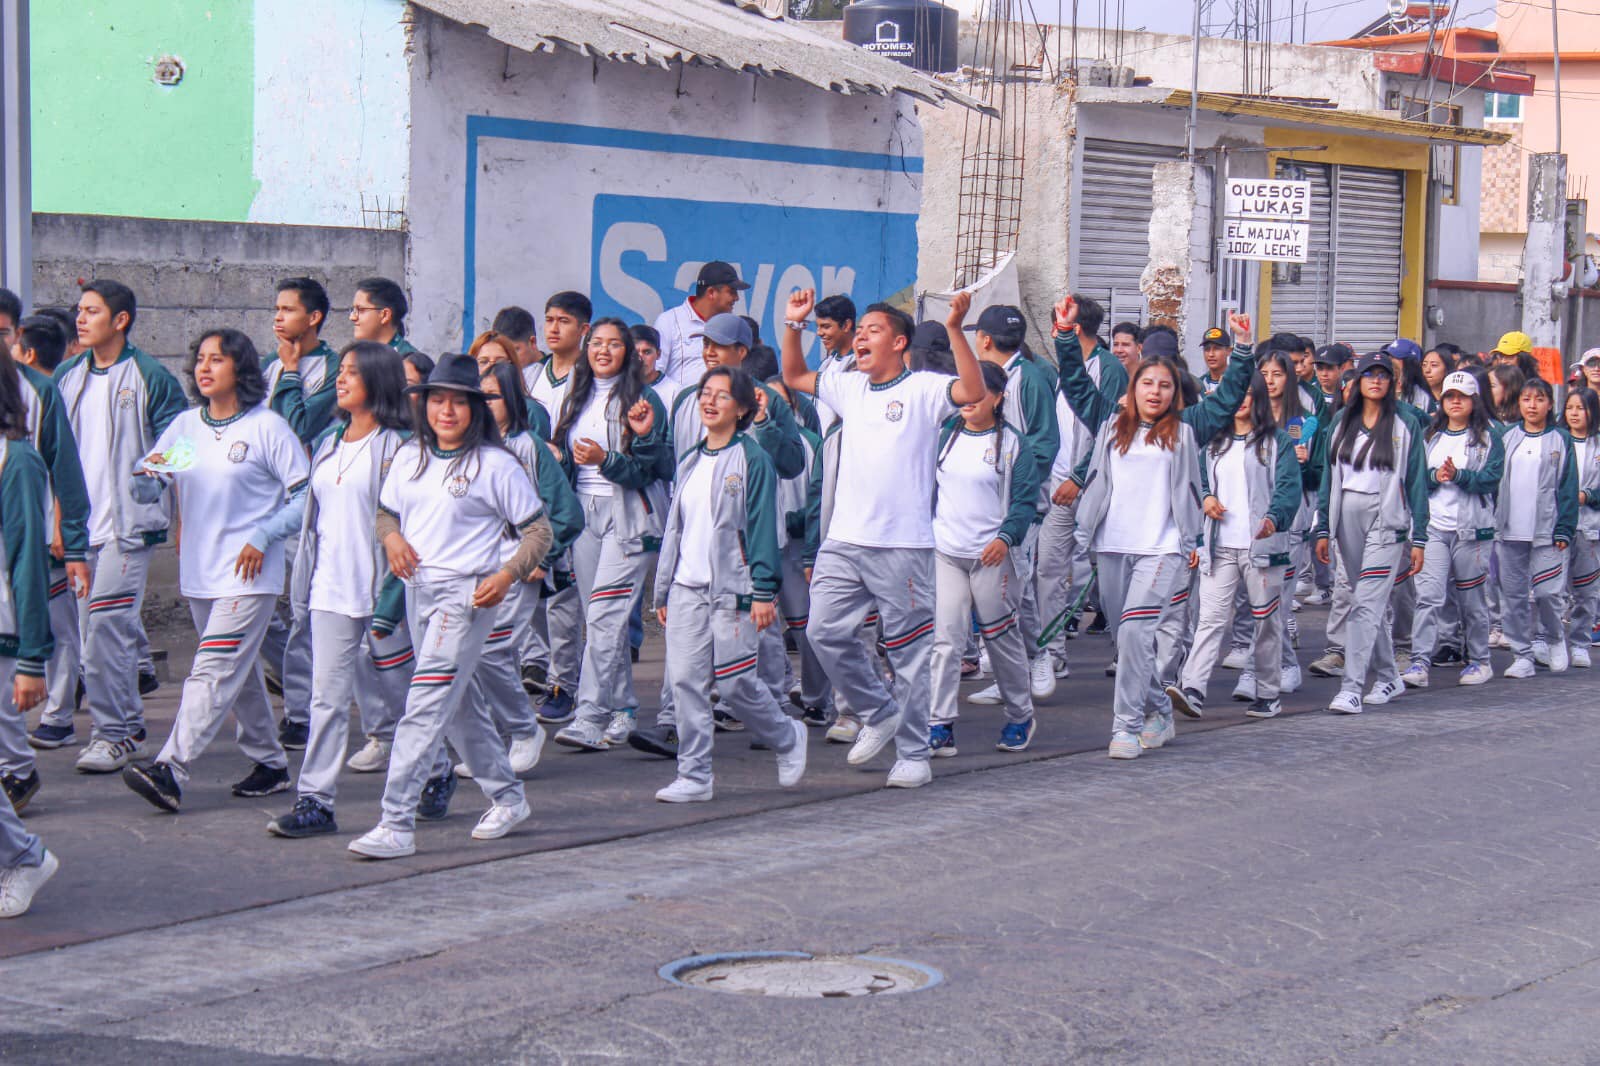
[[1477, 420], [1591, 408], [629, 387], [383, 376], [1411, 379], [505, 376], [13, 412], [1378, 453], [249, 386], [1263, 425], [481, 432], [1292, 408], [1511, 381]]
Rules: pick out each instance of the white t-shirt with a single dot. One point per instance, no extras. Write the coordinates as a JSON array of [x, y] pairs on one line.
[[456, 512], [1444, 505], [1368, 478], [1067, 456], [827, 416], [591, 424], [1521, 488], [242, 473], [545, 387], [695, 537], [1139, 518], [968, 514], [884, 496], [1234, 491], [92, 427], [347, 502], [682, 333]]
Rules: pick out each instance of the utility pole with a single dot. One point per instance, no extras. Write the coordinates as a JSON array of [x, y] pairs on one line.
[[1544, 256], [16, 158]]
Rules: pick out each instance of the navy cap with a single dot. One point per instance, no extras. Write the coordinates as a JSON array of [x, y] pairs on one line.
[[728, 329], [1160, 345], [1374, 359], [1004, 323], [717, 272], [1333, 355]]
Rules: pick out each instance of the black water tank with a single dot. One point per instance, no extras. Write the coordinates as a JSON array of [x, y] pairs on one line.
[[918, 33]]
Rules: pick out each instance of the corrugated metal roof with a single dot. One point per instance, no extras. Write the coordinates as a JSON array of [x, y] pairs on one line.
[[696, 32]]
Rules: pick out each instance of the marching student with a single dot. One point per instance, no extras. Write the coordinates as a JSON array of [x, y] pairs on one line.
[[647, 342], [612, 434], [836, 338], [337, 578], [716, 292], [236, 469], [716, 586], [1438, 363], [1406, 358], [449, 496], [1465, 463], [1537, 518], [119, 400], [378, 313], [516, 326], [1214, 353], [1505, 384], [1582, 411], [878, 548], [25, 504], [985, 494], [1139, 509], [1372, 503], [1255, 492]]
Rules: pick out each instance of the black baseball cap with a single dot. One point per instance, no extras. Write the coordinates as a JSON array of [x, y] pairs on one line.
[[717, 272], [1214, 336], [1374, 359], [1333, 355], [1004, 323], [1160, 345]]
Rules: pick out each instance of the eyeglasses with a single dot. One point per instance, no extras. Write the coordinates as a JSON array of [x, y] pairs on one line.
[[1376, 372], [494, 397], [357, 311], [607, 346], [719, 396]]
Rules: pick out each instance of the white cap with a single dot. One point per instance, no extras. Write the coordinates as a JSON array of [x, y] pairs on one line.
[[1592, 355], [1460, 381]]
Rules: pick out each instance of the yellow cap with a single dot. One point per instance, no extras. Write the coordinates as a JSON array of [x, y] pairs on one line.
[[1513, 343]]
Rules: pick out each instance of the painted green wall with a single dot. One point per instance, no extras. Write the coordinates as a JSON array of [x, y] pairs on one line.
[[190, 154]]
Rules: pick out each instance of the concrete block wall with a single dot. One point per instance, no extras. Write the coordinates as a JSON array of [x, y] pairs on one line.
[[191, 276]]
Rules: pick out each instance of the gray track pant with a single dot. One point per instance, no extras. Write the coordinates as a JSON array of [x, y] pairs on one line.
[[706, 643], [225, 677], [1539, 569], [1137, 592], [608, 581], [1062, 567], [964, 588], [112, 637], [287, 646], [18, 847], [66, 662], [1264, 586], [849, 582], [1584, 566], [1371, 557], [1455, 569], [450, 636], [498, 682]]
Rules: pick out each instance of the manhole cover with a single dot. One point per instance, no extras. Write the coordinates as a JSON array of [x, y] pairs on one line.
[[798, 975]]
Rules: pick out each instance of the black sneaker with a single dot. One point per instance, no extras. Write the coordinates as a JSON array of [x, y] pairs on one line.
[[1447, 655], [1071, 629], [294, 735], [77, 696], [797, 701], [1098, 626], [815, 716], [535, 681], [434, 803], [633, 654], [1263, 708], [138, 735], [154, 781], [148, 682], [262, 780], [308, 819], [662, 742], [47, 737], [725, 722], [557, 708], [1111, 668], [19, 790], [274, 682], [1186, 701]]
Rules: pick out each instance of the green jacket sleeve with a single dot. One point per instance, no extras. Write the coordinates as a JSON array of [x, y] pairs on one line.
[[307, 414], [538, 419], [1567, 495], [780, 436], [813, 541], [1416, 487], [805, 412], [24, 497], [647, 459], [761, 523], [390, 610], [1086, 401], [1113, 378], [1214, 412], [59, 449], [165, 399], [1286, 485], [1043, 438], [1024, 492], [1486, 480], [560, 502]]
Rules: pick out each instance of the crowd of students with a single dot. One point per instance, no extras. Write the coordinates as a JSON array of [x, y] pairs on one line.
[[847, 538]]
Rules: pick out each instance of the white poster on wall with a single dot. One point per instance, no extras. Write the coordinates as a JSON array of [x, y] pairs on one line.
[[1267, 219]]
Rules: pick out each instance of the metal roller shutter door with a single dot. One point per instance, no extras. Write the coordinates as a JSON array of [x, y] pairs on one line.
[[1369, 222], [1301, 292], [1114, 207]]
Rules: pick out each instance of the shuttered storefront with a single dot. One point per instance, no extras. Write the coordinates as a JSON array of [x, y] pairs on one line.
[[1114, 205], [1300, 290]]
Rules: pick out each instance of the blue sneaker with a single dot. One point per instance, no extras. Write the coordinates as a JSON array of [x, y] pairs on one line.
[[434, 802], [557, 708], [942, 739], [48, 737], [1016, 736], [1594, 636]]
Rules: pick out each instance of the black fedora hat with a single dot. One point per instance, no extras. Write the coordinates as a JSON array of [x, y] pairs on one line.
[[458, 373]]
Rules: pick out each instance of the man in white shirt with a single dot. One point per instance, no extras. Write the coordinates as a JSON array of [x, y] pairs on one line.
[[716, 292]]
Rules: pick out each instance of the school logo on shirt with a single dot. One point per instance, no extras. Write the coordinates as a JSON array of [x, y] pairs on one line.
[[991, 456], [895, 411], [734, 484], [125, 397], [238, 451], [457, 486]]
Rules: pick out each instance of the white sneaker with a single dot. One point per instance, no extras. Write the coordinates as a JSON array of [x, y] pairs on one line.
[[1580, 657], [1124, 746], [501, 819], [107, 757], [871, 740], [581, 734], [1042, 676], [1245, 690], [792, 763], [1476, 674], [989, 697], [910, 773], [1156, 732], [1345, 703], [1059, 662], [1541, 653], [373, 757], [19, 884], [619, 729], [385, 843], [985, 667], [1520, 669], [1415, 676], [1236, 659], [1289, 680], [844, 730], [525, 751], [1559, 659], [1497, 639], [682, 790], [1384, 691]]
